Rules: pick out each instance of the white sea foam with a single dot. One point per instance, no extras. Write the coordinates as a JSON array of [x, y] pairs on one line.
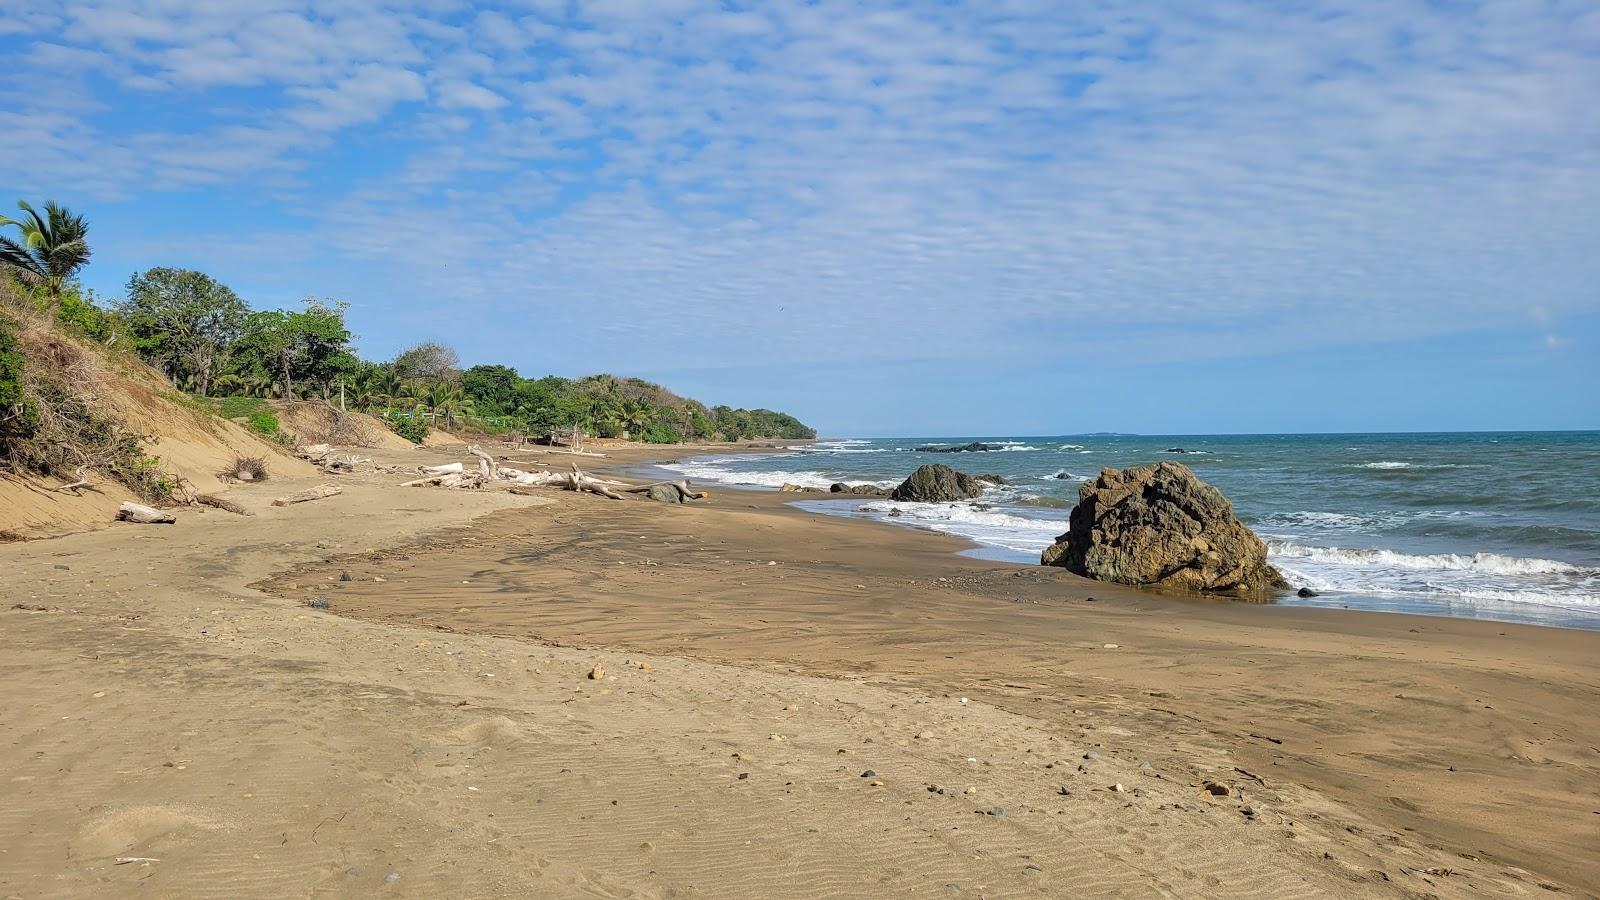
[[1384, 464], [981, 523], [1488, 563], [717, 469]]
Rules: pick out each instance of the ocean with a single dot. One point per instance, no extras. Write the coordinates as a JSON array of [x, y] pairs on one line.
[[1501, 526]]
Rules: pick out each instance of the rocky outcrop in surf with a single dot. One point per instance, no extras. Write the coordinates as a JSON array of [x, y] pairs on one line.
[[974, 447], [937, 483], [1161, 526]]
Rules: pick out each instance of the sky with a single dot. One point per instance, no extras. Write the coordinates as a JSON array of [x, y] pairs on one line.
[[912, 218]]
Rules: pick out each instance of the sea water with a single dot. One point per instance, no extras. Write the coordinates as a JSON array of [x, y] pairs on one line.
[[1486, 525]]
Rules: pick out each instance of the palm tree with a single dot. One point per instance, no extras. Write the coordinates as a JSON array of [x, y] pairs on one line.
[[448, 402], [53, 247], [635, 417]]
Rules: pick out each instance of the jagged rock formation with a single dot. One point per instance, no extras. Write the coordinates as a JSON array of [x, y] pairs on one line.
[[937, 483], [1161, 526]]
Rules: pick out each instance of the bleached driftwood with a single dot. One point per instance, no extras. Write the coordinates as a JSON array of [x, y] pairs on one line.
[[335, 464], [77, 487], [451, 479], [319, 492], [314, 451], [577, 481], [216, 502], [487, 467], [446, 469], [144, 515]]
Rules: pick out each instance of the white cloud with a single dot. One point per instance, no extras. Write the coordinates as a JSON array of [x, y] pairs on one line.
[[838, 179]]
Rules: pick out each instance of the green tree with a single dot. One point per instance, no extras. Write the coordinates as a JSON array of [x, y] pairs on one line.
[[310, 349], [493, 389], [429, 361], [185, 322], [448, 403], [52, 249]]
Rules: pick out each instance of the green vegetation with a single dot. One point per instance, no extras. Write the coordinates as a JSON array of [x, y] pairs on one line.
[[264, 423], [18, 417], [412, 428], [210, 343], [53, 247]]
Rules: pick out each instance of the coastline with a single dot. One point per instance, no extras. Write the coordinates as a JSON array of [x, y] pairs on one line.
[[413, 729]]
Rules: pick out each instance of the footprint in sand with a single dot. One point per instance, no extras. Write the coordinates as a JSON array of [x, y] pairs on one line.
[[146, 828]]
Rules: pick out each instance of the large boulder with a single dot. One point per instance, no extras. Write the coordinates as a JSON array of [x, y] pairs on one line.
[[1161, 526], [937, 483]]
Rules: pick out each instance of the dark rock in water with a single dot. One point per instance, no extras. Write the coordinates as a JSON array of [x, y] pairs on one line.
[[1182, 450], [937, 483], [991, 479], [1161, 526], [974, 447], [664, 493], [1305, 592], [863, 490]]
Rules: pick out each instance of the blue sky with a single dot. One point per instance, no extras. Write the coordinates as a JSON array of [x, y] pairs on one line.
[[889, 218]]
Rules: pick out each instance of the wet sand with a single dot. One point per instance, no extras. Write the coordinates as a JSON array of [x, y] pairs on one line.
[[436, 731]]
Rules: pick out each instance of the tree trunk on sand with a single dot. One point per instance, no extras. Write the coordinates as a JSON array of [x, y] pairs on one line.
[[317, 493], [144, 515], [221, 503]]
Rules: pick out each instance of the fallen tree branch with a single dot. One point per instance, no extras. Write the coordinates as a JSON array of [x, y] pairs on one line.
[[216, 502], [317, 493], [577, 481], [78, 486], [446, 469]]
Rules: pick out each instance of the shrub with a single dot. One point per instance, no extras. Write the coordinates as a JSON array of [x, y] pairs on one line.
[[240, 407], [17, 415], [245, 468], [264, 423], [661, 433], [412, 428]]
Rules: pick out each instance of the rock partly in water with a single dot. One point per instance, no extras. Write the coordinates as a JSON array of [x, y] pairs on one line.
[[863, 490], [991, 479], [797, 489], [1161, 526], [974, 447], [937, 483], [1306, 592]]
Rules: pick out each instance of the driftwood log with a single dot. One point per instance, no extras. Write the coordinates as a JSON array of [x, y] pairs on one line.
[[446, 469], [216, 502], [319, 492], [577, 481], [487, 467], [144, 515]]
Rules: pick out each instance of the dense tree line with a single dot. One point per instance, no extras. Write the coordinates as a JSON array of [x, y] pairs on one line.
[[212, 344]]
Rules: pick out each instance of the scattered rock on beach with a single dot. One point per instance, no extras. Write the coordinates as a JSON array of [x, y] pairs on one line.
[[1305, 592], [863, 490], [937, 483], [788, 488], [1160, 525], [664, 493], [598, 672]]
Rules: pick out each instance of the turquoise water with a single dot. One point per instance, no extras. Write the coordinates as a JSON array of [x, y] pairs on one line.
[[1485, 525]]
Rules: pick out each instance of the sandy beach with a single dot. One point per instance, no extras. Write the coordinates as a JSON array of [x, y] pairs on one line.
[[789, 705]]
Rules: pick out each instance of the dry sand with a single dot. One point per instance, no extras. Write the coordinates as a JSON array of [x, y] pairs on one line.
[[172, 702]]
